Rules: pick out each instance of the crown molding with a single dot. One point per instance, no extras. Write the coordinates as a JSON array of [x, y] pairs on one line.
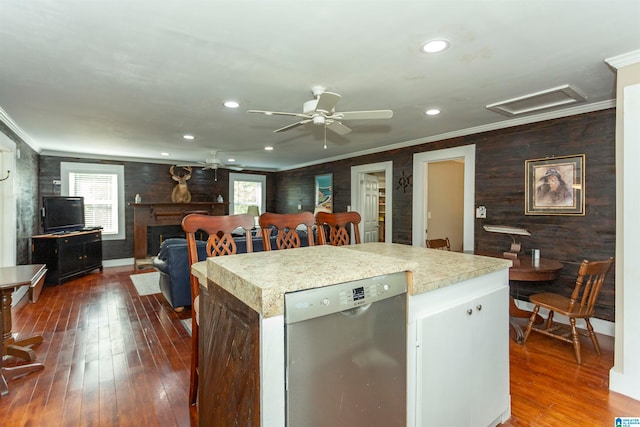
[[13, 126], [624, 60]]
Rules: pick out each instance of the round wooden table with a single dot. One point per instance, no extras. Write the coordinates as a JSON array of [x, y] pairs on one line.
[[523, 270]]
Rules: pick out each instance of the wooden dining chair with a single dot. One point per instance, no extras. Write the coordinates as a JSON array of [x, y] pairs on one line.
[[288, 236], [443, 244], [338, 226], [220, 242], [581, 305]]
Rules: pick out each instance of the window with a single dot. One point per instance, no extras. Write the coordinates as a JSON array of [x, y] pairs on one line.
[[102, 187], [247, 190]]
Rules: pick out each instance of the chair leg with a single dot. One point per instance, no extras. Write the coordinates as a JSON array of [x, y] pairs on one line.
[[532, 320], [592, 335], [193, 382], [549, 323], [576, 340]]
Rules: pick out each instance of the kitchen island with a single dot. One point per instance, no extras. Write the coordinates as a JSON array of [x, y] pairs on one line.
[[457, 355]]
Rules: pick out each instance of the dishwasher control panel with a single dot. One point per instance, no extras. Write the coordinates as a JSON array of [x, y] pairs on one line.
[[302, 305]]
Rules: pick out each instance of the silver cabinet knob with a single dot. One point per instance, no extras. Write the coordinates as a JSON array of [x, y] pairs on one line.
[[469, 312], [479, 307]]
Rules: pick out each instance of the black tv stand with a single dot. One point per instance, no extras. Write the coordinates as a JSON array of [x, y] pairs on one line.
[[67, 254]]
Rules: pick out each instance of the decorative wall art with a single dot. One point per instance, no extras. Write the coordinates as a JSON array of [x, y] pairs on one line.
[[555, 186], [324, 192]]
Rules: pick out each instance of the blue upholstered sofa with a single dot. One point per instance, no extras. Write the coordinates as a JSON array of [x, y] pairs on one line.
[[173, 263]]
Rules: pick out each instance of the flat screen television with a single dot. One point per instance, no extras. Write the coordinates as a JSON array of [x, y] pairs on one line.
[[61, 213]]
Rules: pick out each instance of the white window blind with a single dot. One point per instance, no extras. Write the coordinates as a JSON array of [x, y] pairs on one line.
[[100, 192]]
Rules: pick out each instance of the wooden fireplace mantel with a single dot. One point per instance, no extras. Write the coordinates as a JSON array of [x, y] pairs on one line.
[[165, 213]]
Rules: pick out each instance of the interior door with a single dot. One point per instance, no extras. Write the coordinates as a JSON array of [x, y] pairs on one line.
[[370, 203]]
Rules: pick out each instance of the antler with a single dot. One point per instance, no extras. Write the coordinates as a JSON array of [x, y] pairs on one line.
[[183, 177]]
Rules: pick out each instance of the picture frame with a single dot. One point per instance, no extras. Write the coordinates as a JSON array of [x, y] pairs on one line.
[[555, 186], [324, 192]]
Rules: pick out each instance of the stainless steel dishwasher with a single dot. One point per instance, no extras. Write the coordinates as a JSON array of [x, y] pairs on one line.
[[345, 352]]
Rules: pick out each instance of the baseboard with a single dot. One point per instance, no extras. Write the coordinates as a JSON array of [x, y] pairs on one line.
[[601, 326], [118, 262]]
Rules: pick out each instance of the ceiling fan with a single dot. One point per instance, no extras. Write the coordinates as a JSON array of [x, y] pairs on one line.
[[321, 111], [215, 163]]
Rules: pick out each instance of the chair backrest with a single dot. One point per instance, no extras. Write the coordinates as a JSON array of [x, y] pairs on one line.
[[220, 241], [286, 224], [443, 244], [338, 226], [591, 275]]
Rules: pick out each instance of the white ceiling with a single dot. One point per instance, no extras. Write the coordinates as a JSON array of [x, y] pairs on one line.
[[129, 78]]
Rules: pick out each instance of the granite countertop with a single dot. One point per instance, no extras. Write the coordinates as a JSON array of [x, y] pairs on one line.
[[436, 268], [261, 279]]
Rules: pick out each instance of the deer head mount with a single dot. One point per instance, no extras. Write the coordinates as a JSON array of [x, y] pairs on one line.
[[180, 193]]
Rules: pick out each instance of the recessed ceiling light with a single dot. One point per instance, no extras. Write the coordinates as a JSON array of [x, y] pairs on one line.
[[231, 160], [435, 46], [189, 137], [231, 104], [164, 154], [432, 112], [268, 148]]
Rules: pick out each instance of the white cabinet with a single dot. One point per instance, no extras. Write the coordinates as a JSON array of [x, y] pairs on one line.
[[462, 355]]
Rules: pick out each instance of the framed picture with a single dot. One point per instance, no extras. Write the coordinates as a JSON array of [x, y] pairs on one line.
[[555, 186], [324, 192]]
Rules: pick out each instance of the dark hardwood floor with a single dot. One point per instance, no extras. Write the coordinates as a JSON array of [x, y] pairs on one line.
[[114, 358]]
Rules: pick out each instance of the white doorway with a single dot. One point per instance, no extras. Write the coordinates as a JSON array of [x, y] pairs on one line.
[[465, 154], [361, 197], [7, 202]]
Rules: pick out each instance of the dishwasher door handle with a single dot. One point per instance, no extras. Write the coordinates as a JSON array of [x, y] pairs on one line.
[[355, 312]]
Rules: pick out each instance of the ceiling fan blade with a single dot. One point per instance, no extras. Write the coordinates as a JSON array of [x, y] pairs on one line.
[[338, 128], [233, 167], [294, 125], [327, 101], [363, 115], [278, 113]]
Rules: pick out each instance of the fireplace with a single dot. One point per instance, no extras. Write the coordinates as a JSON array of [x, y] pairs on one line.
[[164, 215], [156, 234]]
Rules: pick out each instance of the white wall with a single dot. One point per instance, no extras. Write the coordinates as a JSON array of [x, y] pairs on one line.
[[625, 375]]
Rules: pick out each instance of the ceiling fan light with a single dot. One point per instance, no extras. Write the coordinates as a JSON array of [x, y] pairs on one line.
[[435, 46], [231, 104], [318, 120]]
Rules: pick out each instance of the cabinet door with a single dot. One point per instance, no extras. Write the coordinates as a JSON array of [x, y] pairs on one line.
[[71, 255], [489, 379], [443, 371], [463, 362], [93, 252]]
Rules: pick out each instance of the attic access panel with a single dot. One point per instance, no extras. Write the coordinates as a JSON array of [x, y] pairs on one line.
[[555, 97]]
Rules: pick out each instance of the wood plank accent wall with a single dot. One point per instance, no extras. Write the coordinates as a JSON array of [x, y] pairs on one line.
[[154, 184], [500, 157]]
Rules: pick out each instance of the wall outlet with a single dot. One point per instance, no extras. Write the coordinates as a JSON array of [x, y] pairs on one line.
[[481, 212], [299, 207]]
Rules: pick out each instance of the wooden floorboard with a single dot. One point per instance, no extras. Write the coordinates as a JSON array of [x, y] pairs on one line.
[[114, 358]]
